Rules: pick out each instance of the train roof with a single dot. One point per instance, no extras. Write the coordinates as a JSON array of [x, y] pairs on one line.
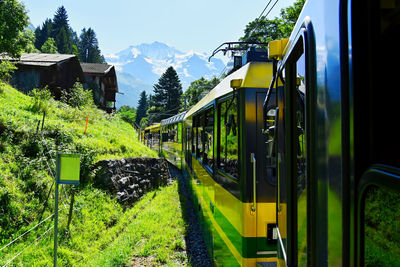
[[153, 127], [174, 119], [253, 75]]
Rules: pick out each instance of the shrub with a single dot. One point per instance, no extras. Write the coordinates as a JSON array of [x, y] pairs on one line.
[[77, 96], [40, 99], [6, 68], [128, 114]]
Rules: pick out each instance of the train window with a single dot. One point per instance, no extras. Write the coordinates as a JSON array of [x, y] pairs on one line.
[[301, 162], [208, 138], [199, 135], [228, 137], [189, 142], [381, 227], [178, 138], [174, 133], [295, 73], [193, 138]]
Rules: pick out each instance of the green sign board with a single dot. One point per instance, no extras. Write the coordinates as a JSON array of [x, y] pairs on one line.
[[68, 168]]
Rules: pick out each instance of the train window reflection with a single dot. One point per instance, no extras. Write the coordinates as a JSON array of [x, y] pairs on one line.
[[300, 135], [208, 138], [199, 135], [193, 137], [189, 140], [381, 227], [228, 137]]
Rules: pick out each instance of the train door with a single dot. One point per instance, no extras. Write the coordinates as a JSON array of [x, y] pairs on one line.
[[290, 137], [264, 189], [277, 153]]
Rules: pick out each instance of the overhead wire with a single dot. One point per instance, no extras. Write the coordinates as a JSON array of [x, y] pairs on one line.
[[262, 13], [264, 9], [272, 7]]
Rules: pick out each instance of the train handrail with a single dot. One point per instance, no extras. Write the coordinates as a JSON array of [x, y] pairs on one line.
[[253, 160]]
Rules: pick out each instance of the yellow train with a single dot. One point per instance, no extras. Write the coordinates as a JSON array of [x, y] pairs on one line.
[[294, 156], [219, 143], [151, 136]]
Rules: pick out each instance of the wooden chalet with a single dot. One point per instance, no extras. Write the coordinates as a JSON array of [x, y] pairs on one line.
[[57, 71], [102, 79]]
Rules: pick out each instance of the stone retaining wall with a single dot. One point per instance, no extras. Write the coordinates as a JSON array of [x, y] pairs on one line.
[[130, 178]]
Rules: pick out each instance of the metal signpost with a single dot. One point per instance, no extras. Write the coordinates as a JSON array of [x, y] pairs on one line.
[[68, 170]]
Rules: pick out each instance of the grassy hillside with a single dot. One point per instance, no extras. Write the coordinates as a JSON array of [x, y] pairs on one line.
[[27, 168]]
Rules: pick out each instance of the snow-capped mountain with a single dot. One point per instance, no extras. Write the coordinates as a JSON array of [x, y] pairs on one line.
[[139, 67]]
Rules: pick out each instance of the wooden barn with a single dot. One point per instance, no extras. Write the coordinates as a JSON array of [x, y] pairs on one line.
[[102, 79], [57, 71]]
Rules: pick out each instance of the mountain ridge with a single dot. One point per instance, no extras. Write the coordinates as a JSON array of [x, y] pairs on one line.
[[145, 63]]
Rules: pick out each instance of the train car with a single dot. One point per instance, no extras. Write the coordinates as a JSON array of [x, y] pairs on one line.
[[225, 159], [330, 124], [151, 136], [171, 139]]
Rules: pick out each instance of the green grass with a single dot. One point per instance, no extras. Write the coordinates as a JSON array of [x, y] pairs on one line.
[[154, 232], [99, 223], [382, 227], [102, 234]]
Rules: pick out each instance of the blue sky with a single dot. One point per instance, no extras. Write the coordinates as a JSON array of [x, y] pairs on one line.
[[185, 24]]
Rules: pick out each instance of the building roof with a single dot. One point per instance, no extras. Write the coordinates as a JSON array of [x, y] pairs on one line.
[[94, 68], [174, 119], [36, 59]]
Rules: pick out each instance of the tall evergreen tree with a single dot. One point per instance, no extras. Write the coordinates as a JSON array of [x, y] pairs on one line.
[[142, 107], [166, 100], [62, 32], [89, 47], [60, 20], [43, 33], [63, 41]]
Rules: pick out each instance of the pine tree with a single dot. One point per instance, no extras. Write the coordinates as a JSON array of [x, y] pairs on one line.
[[60, 20], [174, 91], [64, 44], [62, 32], [43, 33], [89, 47], [142, 107], [166, 100]]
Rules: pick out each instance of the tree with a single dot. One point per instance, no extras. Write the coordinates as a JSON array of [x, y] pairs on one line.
[[60, 20], [62, 32], [43, 33], [127, 113], [13, 21], [49, 46], [89, 47], [143, 105], [197, 89], [265, 30], [29, 36], [64, 44], [166, 100], [262, 31]]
